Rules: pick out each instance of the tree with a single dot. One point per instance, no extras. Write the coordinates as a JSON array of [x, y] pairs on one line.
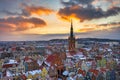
[[103, 62], [87, 76], [108, 75], [93, 77], [30, 76], [44, 73], [100, 76]]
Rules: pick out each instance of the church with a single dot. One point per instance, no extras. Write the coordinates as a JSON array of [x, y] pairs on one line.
[[71, 41]]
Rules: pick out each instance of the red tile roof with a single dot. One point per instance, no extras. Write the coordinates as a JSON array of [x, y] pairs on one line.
[[53, 59], [28, 59], [80, 71], [103, 69], [23, 77], [72, 52], [95, 72], [9, 65]]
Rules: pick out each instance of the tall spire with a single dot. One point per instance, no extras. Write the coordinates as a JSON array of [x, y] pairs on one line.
[[71, 30], [71, 39]]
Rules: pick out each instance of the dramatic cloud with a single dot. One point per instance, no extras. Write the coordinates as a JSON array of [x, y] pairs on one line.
[[86, 29], [111, 24], [35, 10], [20, 23], [87, 13], [112, 3], [20, 17], [76, 2], [29, 10], [97, 27], [88, 10], [9, 13]]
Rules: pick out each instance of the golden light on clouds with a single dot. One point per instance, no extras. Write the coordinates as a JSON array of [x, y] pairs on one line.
[[95, 27], [47, 17], [86, 29], [34, 10]]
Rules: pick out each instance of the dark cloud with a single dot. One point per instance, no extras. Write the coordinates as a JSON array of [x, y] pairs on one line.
[[9, 7], [28, 11], [111, 3], [87, 13], [110, 24], [9, 12], [76, 2], [21, 23], [85, 9]]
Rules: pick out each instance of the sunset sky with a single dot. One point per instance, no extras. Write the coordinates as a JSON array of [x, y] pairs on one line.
[[50, 19]]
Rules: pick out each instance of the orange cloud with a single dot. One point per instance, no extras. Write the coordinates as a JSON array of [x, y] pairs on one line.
[[67, 18], [20, 23], [86, 13], [86, 29], [35, 10], [94, 27]]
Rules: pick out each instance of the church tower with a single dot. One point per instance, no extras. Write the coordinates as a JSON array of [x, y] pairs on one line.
[[71, 39]]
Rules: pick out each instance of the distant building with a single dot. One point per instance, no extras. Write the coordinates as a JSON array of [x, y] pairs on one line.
[[30, 64], [71, 40], [1, 63]]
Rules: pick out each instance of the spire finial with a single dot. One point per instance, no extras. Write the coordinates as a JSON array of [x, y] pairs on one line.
[[71, 23], [71, 30]]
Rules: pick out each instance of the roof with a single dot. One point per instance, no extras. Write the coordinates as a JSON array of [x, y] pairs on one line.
[[72, 52], [95, 72], [98, 57], [23, 77], [53, 59], [69, 55], [103, 69], [28, 59], [33, 72], [9, 65], [80, 71]]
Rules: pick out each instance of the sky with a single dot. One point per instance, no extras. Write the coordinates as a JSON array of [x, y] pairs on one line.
[[25, 20]]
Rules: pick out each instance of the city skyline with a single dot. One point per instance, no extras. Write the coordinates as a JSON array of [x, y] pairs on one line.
[[50, 19]]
